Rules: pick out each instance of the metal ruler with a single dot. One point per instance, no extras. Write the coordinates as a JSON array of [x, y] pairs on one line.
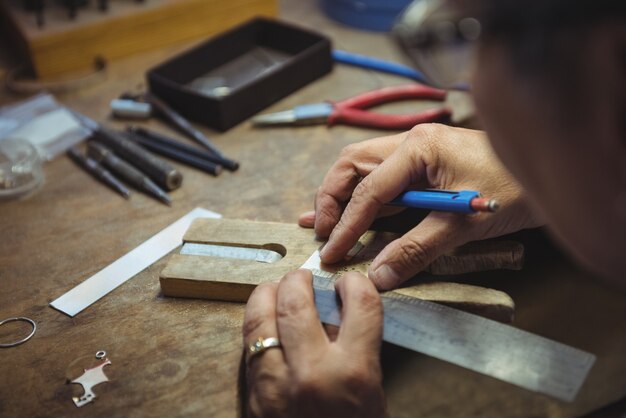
[[470, 341], [121, 270], [473, 342]]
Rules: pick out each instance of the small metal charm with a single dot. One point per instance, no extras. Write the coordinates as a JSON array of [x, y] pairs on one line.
[[90, 378]]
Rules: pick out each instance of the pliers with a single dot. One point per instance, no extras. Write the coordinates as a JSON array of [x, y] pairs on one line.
[[351, 111]]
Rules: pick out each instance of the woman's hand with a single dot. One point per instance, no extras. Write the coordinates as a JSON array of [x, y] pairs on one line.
[[311, 375], [370, 174]]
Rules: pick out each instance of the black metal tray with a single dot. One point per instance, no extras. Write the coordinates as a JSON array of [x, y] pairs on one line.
[[240, 72]]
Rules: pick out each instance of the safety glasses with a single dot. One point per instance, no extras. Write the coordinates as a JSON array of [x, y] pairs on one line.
[[439, 41]]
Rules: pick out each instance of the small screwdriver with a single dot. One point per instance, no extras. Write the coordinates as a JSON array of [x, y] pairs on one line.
[[99, 172], [129, 173]]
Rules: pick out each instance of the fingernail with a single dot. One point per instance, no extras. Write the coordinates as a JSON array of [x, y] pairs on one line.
[[383, 276], [323, 250]]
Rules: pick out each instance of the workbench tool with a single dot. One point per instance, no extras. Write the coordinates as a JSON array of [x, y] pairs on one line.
[[220, 260], [176, 154], [377, 64], [479, 344], [147, 137], [129, 173], [177, 121], [94, 168], [125, 267], [130, 109], [184, 126], [351, 111], [160, 171]]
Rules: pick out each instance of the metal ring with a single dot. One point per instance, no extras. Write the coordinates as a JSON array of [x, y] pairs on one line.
[[23, 340], [261, 345], [101, 354]]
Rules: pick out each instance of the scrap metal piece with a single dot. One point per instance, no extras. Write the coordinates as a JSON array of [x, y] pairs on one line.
[[89, 379]]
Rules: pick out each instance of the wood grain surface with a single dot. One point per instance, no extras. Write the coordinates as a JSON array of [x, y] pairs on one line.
[[180, 357]]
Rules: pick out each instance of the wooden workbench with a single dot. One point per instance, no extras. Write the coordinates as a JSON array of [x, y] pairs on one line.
[[177, 357]]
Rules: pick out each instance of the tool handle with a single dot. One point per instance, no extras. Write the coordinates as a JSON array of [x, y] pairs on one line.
[[363, 118], [392, 94], [96, 170], [181, 156], [377, 64], [105, 156], [181, 123], [158, 138], [160, 171]]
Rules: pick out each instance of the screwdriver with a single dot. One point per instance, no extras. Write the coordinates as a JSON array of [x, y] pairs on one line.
[[99, 172], [126, 171]]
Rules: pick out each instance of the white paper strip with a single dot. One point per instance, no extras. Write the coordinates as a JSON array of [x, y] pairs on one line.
[[128, 265]]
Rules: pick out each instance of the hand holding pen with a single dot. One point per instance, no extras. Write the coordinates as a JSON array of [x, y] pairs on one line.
[[368, 176]]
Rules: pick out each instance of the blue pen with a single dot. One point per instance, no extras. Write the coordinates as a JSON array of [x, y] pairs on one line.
[[464, 201]]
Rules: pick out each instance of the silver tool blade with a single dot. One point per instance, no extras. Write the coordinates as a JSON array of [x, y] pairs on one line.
[[278, 118], [473, 342], [300, 115], [223, 251]]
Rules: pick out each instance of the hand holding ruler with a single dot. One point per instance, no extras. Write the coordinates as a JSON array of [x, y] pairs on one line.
[[224, 259], [470, 341]]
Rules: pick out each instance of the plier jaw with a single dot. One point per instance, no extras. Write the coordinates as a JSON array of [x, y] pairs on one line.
[[310, 114]]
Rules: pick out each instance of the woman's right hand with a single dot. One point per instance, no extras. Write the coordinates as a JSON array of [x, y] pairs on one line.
[[370, 174]]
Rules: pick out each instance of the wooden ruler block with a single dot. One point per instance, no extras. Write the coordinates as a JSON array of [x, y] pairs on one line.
[[215, 278], [63, 45]]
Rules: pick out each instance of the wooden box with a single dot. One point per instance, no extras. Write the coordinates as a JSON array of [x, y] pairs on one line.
[[63, 45]]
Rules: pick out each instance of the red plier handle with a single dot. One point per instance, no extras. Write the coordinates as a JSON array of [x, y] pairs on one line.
[[350, 111]]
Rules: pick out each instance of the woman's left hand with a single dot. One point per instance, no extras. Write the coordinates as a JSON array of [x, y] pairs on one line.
[[311, 375]]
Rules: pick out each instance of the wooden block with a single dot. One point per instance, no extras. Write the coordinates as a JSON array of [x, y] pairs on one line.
[[233, 279], [63, 45]]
